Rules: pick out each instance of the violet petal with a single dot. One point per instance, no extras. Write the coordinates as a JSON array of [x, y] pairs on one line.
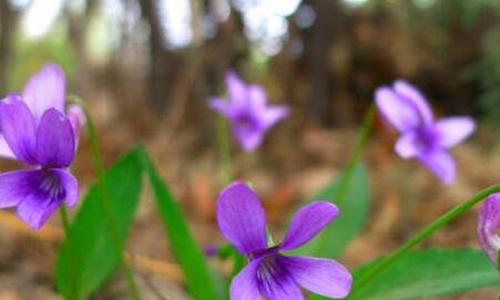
[[398, 111], [410, 92], [454, 130], [244, 286], [257, 96], [441, 164], [19, 128], [249, 138], [221, 106], [407, 145], [488, 227], [273, 115], [237, 90], [42, 193], [5, 149], [321, 276], [241, 218], [55, 140], [13, 187], [45, 90], [69, 184], [307, 223], [35, 211], [77, 119], [275, 280]]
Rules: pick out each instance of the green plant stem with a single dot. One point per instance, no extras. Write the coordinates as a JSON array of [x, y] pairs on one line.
[[64, 218], [361, 139], [424, 234], [105, 202], [224, 150], [340, 192], [66, 226]]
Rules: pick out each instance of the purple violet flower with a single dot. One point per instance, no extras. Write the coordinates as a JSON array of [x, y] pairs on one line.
[[35, 131], [488, 227], [270, 274], [247, 111], [422, 137]]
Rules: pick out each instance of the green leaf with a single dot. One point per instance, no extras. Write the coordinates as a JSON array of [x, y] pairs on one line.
[[200, 282], [428, 273], [88, 257], [353, 213]]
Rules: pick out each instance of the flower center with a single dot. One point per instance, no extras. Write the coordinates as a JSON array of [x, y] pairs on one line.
[[427, 138], [247, 121], [270, 274], [264, 252], [268, 269], [50, 185]]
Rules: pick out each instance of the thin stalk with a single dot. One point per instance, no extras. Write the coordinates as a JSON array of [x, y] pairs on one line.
[[65, 219], [340, 192], [362, 138], [425, 233], [71, 257], [226, 174], [224, 150], [105, 202]]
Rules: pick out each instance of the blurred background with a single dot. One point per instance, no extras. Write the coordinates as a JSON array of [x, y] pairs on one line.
[[147, 68]]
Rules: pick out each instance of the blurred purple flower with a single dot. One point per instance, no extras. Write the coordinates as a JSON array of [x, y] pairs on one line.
[[488, 228], [269, 273], [247, 111], [36, 132], [211, 250], [422, 137]]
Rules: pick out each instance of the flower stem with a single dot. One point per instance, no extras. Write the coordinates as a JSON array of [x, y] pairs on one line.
[[424, 234], [72, 264], [224, 150], [344, 181], [105, 202], [363, 134]]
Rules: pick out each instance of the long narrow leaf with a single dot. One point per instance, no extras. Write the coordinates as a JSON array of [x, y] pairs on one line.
[[199, 280], [87, 258], [429, 273], [353, 213]]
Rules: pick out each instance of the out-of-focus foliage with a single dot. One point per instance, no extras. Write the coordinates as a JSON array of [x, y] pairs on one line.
[[199, 280], [487, 70], [353, 204], [487, 73], [88, 257], [427, 273], [29, 55]]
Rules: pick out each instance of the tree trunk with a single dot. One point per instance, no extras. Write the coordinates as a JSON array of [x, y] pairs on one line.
[[160, 60], [327, 28]]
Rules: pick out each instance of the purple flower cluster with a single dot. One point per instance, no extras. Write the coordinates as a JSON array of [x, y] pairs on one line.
[[249, 115], [36, 131], [269, 273], [488, 228], [422, 137]]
